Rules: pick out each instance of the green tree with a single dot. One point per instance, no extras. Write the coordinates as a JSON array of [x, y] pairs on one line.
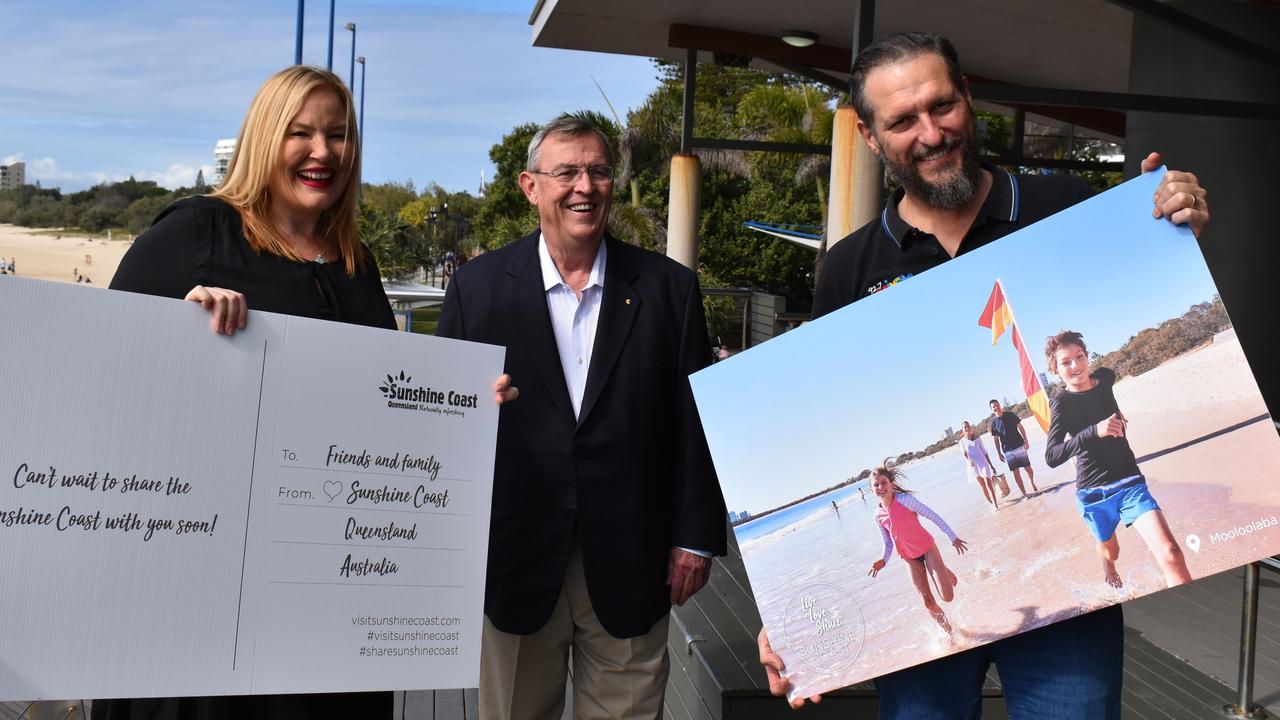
[[398, 247], [505, 213], [737, 186], [387, 198], [137, 217]]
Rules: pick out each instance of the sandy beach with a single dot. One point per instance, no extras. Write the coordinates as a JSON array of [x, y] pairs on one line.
[[1032, 562], [56, 255]]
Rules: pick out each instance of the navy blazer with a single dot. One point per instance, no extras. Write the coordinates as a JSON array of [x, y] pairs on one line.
[[631, 476]]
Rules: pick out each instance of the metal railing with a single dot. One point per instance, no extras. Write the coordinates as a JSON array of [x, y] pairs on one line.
[[1244, 706]]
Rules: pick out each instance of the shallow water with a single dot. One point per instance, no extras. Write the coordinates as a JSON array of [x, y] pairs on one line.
[[1031, 563]]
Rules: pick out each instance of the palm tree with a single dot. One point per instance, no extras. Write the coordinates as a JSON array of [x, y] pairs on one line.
[[399, 248], [792, 114]]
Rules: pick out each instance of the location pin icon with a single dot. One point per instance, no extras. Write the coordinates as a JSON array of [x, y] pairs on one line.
[[1193, 542]]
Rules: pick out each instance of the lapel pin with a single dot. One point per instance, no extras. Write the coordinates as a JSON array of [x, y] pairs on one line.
[[628, 301]]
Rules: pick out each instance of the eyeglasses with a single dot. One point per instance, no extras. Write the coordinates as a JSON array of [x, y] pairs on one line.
[[598, 174]]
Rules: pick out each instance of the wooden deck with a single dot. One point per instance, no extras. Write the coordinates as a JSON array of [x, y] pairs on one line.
[[437, 705], [1200, 625]]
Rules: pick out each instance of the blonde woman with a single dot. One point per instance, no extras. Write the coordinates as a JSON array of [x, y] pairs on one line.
[[279, 233]]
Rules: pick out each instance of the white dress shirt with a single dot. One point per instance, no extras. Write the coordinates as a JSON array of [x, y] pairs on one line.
[[573, 321]]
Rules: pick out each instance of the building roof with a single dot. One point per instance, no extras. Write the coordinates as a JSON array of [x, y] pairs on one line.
[[1068, 44]]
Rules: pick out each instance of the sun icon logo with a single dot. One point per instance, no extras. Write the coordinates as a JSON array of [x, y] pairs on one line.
[[388, 388]]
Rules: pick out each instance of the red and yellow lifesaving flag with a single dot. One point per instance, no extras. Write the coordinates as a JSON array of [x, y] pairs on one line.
[[998, 316]]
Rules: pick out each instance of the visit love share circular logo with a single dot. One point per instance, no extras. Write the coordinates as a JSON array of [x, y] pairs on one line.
[[824, 628]]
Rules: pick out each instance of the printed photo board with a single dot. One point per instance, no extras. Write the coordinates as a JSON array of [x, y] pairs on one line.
[[1146, 460]]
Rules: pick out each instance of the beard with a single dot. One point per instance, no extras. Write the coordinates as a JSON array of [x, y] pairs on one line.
[[948, 193]]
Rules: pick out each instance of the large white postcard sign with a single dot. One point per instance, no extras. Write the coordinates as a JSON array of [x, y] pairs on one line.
[[1147, 460], [302, 507]]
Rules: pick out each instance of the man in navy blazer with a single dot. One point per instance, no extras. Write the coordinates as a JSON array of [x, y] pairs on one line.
[[606, 507]]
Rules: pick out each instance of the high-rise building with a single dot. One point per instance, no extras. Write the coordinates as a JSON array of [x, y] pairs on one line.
[[13, 176], [222, 153]]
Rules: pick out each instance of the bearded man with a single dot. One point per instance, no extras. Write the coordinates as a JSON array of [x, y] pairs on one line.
[[915, 112]]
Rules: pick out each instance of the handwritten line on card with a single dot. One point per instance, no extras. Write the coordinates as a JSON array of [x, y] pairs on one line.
[[345, 584], [372, 472], [345, 508], [389, 547]]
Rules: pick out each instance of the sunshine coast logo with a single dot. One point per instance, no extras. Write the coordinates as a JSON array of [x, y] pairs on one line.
[[402, 394], [823, 627]]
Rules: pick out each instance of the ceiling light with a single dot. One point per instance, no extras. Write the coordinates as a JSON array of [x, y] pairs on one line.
[[799, 38]]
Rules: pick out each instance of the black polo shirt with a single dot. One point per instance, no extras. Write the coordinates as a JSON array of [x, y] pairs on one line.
[[887, 251]]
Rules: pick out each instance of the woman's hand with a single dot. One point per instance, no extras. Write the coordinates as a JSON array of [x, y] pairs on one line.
[[959, 545], [773, 667], [230, 312], [504, 391], [876, 567]]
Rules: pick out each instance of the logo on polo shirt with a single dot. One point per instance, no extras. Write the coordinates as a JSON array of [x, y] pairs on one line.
[[886, 284]]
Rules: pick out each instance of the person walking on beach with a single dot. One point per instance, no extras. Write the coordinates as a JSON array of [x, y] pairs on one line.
[[975, 453], [900, 528], [1012, 444], [1110, 488]]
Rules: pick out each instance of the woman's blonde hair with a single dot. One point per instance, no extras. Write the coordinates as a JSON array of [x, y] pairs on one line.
[[246, 186]]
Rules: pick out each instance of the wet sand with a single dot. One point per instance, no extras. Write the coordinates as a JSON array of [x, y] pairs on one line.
[[42, 254], [1033, 562]]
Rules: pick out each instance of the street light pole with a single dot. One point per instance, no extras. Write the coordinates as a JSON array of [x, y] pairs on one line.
[[297, 46], [351, 78], [329, 65], [360, 121]]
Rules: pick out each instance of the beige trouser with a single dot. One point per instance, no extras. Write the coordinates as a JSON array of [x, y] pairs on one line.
[[523, 676]]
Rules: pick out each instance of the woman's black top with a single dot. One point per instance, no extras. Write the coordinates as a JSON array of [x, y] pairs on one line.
[[200, 241]]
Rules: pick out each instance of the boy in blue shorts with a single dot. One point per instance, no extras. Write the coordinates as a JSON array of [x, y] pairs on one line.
[[1086, 423]]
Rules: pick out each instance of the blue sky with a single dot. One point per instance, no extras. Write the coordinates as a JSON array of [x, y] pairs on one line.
[[96, 91], [890, 373]]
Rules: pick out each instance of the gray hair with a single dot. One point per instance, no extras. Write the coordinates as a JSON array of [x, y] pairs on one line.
[[896, 48], [568, 126]]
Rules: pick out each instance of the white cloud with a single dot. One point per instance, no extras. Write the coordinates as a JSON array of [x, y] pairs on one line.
[[50, 173], [178, 175]]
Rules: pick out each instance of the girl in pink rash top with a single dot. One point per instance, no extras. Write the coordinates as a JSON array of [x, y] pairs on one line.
[[899, 521]]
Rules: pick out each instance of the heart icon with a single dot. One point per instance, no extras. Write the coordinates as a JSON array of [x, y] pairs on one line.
[[333, 489]]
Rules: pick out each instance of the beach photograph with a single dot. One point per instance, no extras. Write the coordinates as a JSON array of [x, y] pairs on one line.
[[913, 475], [62, 255]]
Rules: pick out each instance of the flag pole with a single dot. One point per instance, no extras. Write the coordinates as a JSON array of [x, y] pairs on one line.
[[1018, 329], [1020, 344]]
